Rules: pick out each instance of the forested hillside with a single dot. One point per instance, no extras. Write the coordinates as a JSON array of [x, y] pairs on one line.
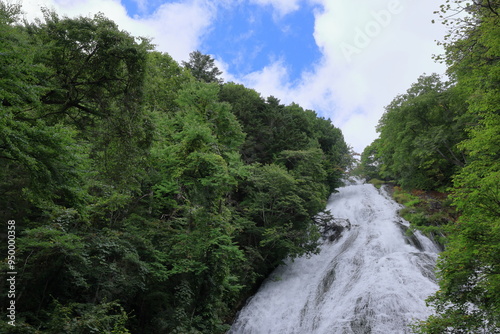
[[445, 136], [148, 196]]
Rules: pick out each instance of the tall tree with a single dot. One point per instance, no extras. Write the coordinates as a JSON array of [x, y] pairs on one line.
[[203, 67], [419, 133], [369, 163], [96, 84], [164, 79], [40, 161], [199, 167], [469, 270]]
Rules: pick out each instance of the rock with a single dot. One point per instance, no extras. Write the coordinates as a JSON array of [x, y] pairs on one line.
[[332, 230]]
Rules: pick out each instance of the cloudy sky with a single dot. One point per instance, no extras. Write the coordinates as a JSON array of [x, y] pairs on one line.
[[344, 59]]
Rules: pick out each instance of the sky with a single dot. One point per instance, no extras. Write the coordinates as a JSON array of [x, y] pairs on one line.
[[344, 59]]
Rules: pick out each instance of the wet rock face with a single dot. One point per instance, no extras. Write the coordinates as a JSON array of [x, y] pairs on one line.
[[336, 231], [409, 237], [332, 230]]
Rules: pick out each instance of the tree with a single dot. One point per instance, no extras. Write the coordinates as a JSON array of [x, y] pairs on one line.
[[469, 270], [41, 163], [135, 211], [202, 67], [164, 79], [338, 158], [370, 162], [96, 83], [281, 225], [199, 167], [419, 133]]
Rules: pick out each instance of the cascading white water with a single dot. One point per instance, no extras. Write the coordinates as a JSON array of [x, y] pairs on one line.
[[370, 280]]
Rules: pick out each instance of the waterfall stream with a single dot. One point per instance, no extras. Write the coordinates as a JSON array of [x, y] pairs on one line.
[[373, 279]]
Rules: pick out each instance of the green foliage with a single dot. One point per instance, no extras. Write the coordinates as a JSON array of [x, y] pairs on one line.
[[164, 79], [279, 223], [202, 67], [469, 295], [429, 212], [148, 197], [40, 164], [370, 164], [272, 128], [108, 318], [76, 318], [419, 134], [95, 78]]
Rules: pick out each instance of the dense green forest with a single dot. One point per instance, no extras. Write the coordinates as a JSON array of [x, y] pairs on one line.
[[148, 196], [145, 196], [444, 135]]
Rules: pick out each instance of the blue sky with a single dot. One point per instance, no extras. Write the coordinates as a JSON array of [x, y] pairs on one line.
[[344, 59], [248, 36]]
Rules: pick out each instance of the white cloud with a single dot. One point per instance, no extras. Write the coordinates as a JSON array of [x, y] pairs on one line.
[[179, 27], [271, 80]]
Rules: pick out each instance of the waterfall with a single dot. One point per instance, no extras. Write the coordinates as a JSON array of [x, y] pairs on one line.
[[373, 279]]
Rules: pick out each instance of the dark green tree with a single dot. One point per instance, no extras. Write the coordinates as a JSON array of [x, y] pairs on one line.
[[71, 115], [419, 133], [200, 166], [96, 83], [203, 68], [279, 223], [370, 162]]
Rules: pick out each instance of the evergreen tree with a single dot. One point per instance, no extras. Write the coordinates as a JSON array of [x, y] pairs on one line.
[[203, 68]]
